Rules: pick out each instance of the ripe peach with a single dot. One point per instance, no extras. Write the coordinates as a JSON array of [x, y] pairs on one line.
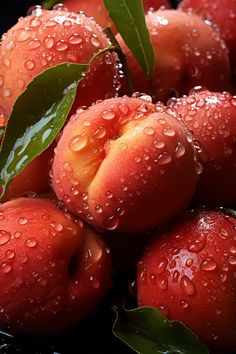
[[47, 38], [188, 273], [223, 14], [96, 9], [188, 53], [211, 116], [53, 271], [124, 164]]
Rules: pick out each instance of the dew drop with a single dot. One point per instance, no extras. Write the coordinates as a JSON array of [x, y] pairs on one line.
[[111, 223], [4, 237], [169, 132], [6, 268], [149, 131], [94, 281], [75, 39], [31, 242], [78, 142], [48, 42], [232, 260], [10, 254], [161, 266], [108, 115], [164, 159], [42, 282], [187, 286], [29, 64], [179, 150], [61, 46], [163, 283], [95, 41], [208, 265], [22, 221]]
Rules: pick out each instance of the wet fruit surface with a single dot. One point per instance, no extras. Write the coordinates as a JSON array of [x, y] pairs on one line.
[[188, 52], [189, 273], [47, 38], [118, 159], [212, 119], [52, 264]]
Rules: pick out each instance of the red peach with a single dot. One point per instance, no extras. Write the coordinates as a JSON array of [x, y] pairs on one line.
[[124, 164], [96, 9], [188, 273], [211, 117], [47, 38], [221, 13], [53, 271], [188, 52]]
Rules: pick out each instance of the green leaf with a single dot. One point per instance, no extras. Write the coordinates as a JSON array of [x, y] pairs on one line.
[[229, 212], [48, 4], [129, 19], [146, 331], [38, 116]]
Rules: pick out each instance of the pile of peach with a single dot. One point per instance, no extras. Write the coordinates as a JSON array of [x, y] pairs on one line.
[[126, 164]]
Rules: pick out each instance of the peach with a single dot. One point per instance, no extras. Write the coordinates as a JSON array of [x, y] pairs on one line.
[[96, 9], [124, 164], [53, 270], [223, 15], [48, 38], [211, 116], [188, 52]]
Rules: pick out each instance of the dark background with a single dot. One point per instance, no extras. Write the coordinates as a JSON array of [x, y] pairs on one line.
[[94, 335]]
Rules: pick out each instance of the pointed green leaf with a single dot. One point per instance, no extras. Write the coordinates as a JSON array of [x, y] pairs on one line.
[[146, 331], [129, 19]]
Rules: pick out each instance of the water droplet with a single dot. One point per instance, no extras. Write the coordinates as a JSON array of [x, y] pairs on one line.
[[111, 223], [158, 144], [22, 221], [75, 39], [29, 64], [31, 242], [169, 132], [149, 131], [22, 35], [208, 265], [198, 245], [6, 268], [179, 150], [164, 159], [17, 234], [232, 260], [153, 278], [61, 46], [184, 304], [189, 262], [95, 41], [10, 254], [34, 44], [94, 281], [78, 142], [4, 237], [161, 266], [163, 283], [98, 209], [187, 286], [48, 42], [108, 115], [42, 282]]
